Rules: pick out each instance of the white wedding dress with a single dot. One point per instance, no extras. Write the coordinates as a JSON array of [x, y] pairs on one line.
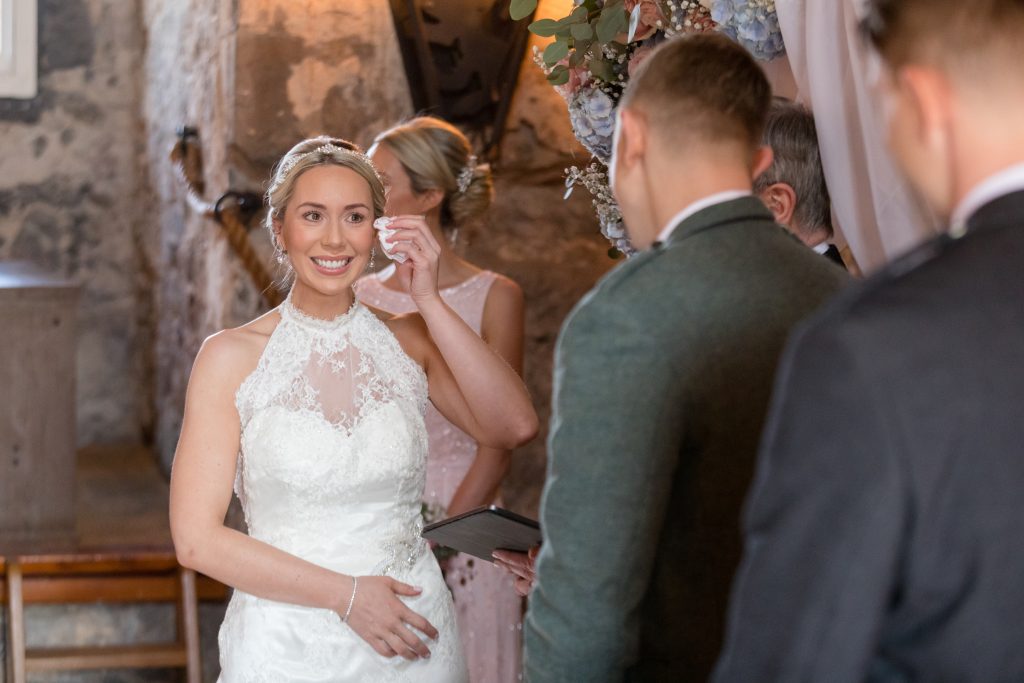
[[331, 469]]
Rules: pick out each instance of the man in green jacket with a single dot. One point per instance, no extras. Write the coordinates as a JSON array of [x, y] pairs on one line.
[[662, 380]]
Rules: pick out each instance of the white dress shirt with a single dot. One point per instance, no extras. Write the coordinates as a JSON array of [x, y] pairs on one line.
[[995, 186], [699, 205]]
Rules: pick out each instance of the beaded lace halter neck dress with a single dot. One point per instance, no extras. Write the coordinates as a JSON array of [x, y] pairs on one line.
[[332, 469]]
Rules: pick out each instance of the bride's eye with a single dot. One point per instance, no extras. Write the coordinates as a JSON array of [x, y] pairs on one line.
[[312, 216], [356, 218]]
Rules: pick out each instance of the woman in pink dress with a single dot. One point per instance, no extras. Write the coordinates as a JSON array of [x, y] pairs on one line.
[[429, 169]]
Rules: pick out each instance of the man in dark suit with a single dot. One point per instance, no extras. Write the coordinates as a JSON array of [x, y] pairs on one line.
[[890, 547], [793, 187], [663, 373]]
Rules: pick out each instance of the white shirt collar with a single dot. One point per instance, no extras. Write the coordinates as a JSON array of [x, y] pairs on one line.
[[821, 248], [699, 205], [996, 185]]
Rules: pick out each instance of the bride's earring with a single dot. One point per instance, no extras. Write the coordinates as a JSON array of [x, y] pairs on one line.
[[453, 237], [373, 258]]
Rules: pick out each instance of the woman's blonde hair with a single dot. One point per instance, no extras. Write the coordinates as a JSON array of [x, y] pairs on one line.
[[318, 151], [436, 155]]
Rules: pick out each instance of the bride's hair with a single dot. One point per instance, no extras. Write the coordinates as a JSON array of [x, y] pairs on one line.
[[319, 151], [434, 154]]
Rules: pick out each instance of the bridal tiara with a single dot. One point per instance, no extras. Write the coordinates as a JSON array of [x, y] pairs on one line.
[[328, 149]]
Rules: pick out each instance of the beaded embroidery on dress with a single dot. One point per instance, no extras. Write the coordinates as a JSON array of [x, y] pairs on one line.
[[331, 469]]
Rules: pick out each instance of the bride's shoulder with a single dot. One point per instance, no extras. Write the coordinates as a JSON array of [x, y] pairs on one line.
[[231, 354]]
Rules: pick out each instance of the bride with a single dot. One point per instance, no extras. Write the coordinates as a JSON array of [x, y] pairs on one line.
[[313, 414]]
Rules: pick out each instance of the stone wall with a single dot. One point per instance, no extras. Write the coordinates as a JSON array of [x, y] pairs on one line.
[[72, 191], [255, 77], [336, 69]]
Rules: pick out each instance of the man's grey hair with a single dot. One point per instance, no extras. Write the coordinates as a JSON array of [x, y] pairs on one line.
[[791, 134]]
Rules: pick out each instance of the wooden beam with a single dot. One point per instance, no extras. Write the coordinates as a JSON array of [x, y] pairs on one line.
[[121, 657], [51, 590]]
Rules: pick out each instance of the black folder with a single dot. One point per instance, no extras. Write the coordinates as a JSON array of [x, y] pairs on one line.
[[483, 530]]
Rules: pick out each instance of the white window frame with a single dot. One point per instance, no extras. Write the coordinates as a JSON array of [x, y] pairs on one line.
[[18, 49]]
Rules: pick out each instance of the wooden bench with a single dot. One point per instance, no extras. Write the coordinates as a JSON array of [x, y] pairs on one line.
[[106, 575], [121, 553]]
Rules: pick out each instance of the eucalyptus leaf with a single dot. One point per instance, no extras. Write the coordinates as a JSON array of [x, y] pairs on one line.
[[602, 69], [555, 52], [545, 28], [558, 77], [520, 9], [579, 15], [582, 31], [612, 22]]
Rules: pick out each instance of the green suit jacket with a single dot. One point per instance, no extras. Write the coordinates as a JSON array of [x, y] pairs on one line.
[[663, 374]]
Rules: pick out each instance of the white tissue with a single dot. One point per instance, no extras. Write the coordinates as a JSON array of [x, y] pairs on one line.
[[382, 225]]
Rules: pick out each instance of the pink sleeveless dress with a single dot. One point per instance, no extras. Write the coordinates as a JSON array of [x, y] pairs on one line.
[[488, 610]]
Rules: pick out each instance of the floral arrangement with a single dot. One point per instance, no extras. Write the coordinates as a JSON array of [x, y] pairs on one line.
[[600, 44]]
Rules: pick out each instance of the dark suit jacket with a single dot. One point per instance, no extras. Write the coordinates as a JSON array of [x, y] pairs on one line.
[[890, 546], [663, 374]]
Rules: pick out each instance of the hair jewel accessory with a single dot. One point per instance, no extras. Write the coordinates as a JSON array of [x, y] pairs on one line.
[[328, 149], [383, 227], [466, 174]]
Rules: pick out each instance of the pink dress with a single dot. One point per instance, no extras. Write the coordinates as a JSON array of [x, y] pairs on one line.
[[488, 610]]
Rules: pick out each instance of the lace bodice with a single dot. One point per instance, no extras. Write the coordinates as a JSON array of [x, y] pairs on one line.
[[333, 443], [452, 451]]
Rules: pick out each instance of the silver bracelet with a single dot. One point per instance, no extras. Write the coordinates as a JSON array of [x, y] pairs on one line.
[[352, 600]]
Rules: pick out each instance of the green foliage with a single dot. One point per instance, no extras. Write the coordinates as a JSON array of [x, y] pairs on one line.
[[520, 9]]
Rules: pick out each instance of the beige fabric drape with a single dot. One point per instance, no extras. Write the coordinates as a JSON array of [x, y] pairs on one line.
[[875, 211]]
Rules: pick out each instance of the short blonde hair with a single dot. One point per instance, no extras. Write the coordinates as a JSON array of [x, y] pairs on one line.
[[434, 153]]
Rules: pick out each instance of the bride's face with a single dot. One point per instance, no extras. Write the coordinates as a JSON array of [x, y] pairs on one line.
[[327, 228]]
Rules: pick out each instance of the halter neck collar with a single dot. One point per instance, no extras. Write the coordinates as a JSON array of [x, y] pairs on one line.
[[290, 311]]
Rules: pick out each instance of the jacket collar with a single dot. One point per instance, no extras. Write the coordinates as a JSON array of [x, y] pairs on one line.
[[743, 208]]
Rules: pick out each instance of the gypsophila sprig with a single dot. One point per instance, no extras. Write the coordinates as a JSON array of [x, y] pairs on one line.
[[595, 178]]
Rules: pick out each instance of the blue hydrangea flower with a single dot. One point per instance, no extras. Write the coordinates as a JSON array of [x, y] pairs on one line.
[[752, 23], [592, 114]]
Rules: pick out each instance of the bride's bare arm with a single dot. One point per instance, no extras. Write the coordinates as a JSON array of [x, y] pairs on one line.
[[202, 480], [469, 382]]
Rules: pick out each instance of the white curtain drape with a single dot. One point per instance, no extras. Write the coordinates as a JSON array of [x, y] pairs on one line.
[[876, 212]]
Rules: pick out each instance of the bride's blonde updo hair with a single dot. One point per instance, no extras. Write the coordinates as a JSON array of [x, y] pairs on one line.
[[436, 155], [319, 151]]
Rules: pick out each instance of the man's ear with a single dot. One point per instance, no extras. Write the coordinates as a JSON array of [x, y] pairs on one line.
[[633, 138], [780, 198], [763, 158], [929, 96]]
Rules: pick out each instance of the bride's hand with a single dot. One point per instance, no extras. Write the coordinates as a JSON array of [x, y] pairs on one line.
[[381, 619], [413, 238]]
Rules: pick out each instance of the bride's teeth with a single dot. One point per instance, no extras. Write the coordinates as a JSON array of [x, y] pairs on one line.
[[331, 265]]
